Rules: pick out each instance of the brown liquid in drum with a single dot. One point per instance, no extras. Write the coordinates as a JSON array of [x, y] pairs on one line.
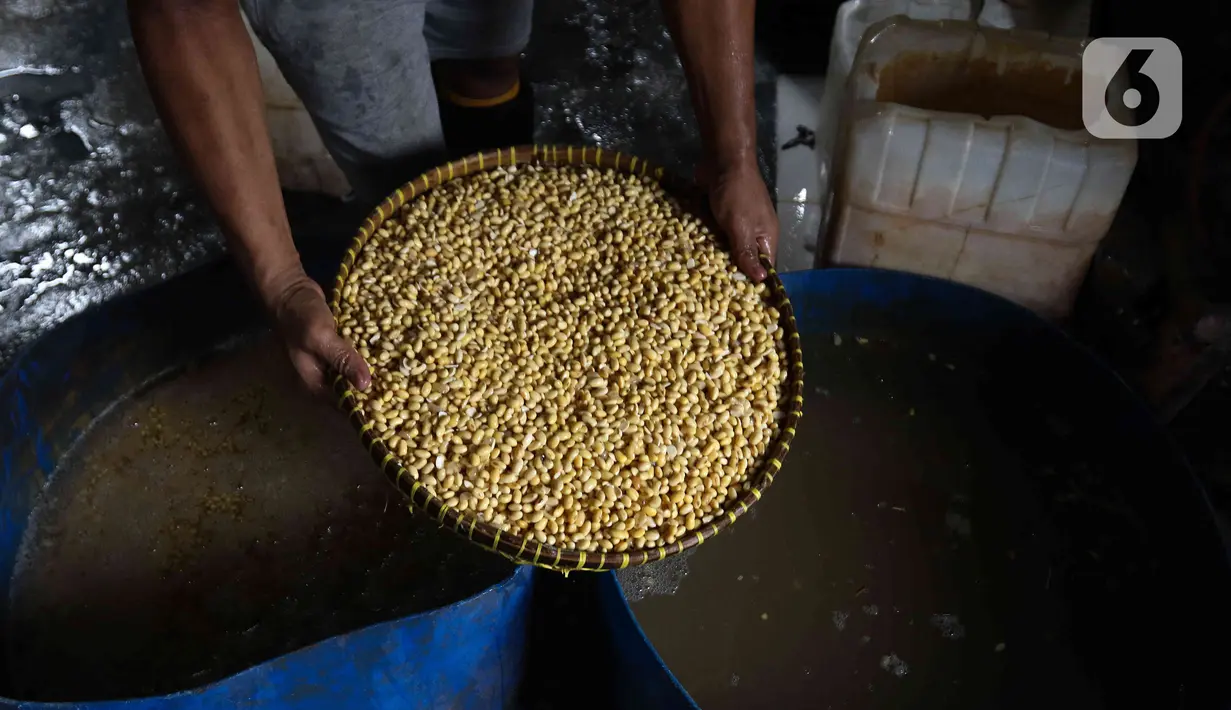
[[220, 519]]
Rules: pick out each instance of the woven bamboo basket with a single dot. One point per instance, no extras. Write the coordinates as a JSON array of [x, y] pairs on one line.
[[515, 547]]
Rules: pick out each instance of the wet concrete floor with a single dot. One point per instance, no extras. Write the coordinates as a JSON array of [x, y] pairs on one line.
[[218, 520], [902, 559]]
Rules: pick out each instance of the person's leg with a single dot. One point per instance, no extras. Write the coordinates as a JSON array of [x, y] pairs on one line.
[[482, 82], [475, 47], [362, 69]]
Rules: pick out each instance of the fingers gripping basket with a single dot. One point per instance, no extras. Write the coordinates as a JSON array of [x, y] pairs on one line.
[[524, 549]]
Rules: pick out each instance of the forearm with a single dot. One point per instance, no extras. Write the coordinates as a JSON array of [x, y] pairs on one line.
[[715, 42], [201, 69]]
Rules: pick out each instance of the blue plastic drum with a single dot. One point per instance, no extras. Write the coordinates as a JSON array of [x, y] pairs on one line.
[[1131, 558], [467, 654], [975, 513]]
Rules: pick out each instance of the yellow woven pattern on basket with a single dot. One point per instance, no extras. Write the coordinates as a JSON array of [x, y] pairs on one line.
[[514, 547]]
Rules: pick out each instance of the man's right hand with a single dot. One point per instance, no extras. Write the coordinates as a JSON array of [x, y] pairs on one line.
[[307, 328], [202, 72]]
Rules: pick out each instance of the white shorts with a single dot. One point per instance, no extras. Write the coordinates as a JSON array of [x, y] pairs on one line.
[[363, 70]]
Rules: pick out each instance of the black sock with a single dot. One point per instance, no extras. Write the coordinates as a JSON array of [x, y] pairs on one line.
[[475, 129]]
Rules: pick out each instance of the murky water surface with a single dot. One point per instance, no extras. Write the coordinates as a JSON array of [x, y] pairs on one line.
[[216, 521], [903, 558]]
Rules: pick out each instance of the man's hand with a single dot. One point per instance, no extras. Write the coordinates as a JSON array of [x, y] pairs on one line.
[[202, 72], [306, 325], [740, 201], [715, 41]]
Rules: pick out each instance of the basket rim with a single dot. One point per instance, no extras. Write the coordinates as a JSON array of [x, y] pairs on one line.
[[518, 548]]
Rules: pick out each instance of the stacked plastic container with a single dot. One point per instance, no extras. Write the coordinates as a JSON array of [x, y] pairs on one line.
[[961, 155]]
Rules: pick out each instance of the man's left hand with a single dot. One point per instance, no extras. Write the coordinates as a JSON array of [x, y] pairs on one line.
[[740, 201]]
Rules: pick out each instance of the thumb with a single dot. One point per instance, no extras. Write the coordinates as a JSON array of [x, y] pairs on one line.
[[749, 262], [344, 359]]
